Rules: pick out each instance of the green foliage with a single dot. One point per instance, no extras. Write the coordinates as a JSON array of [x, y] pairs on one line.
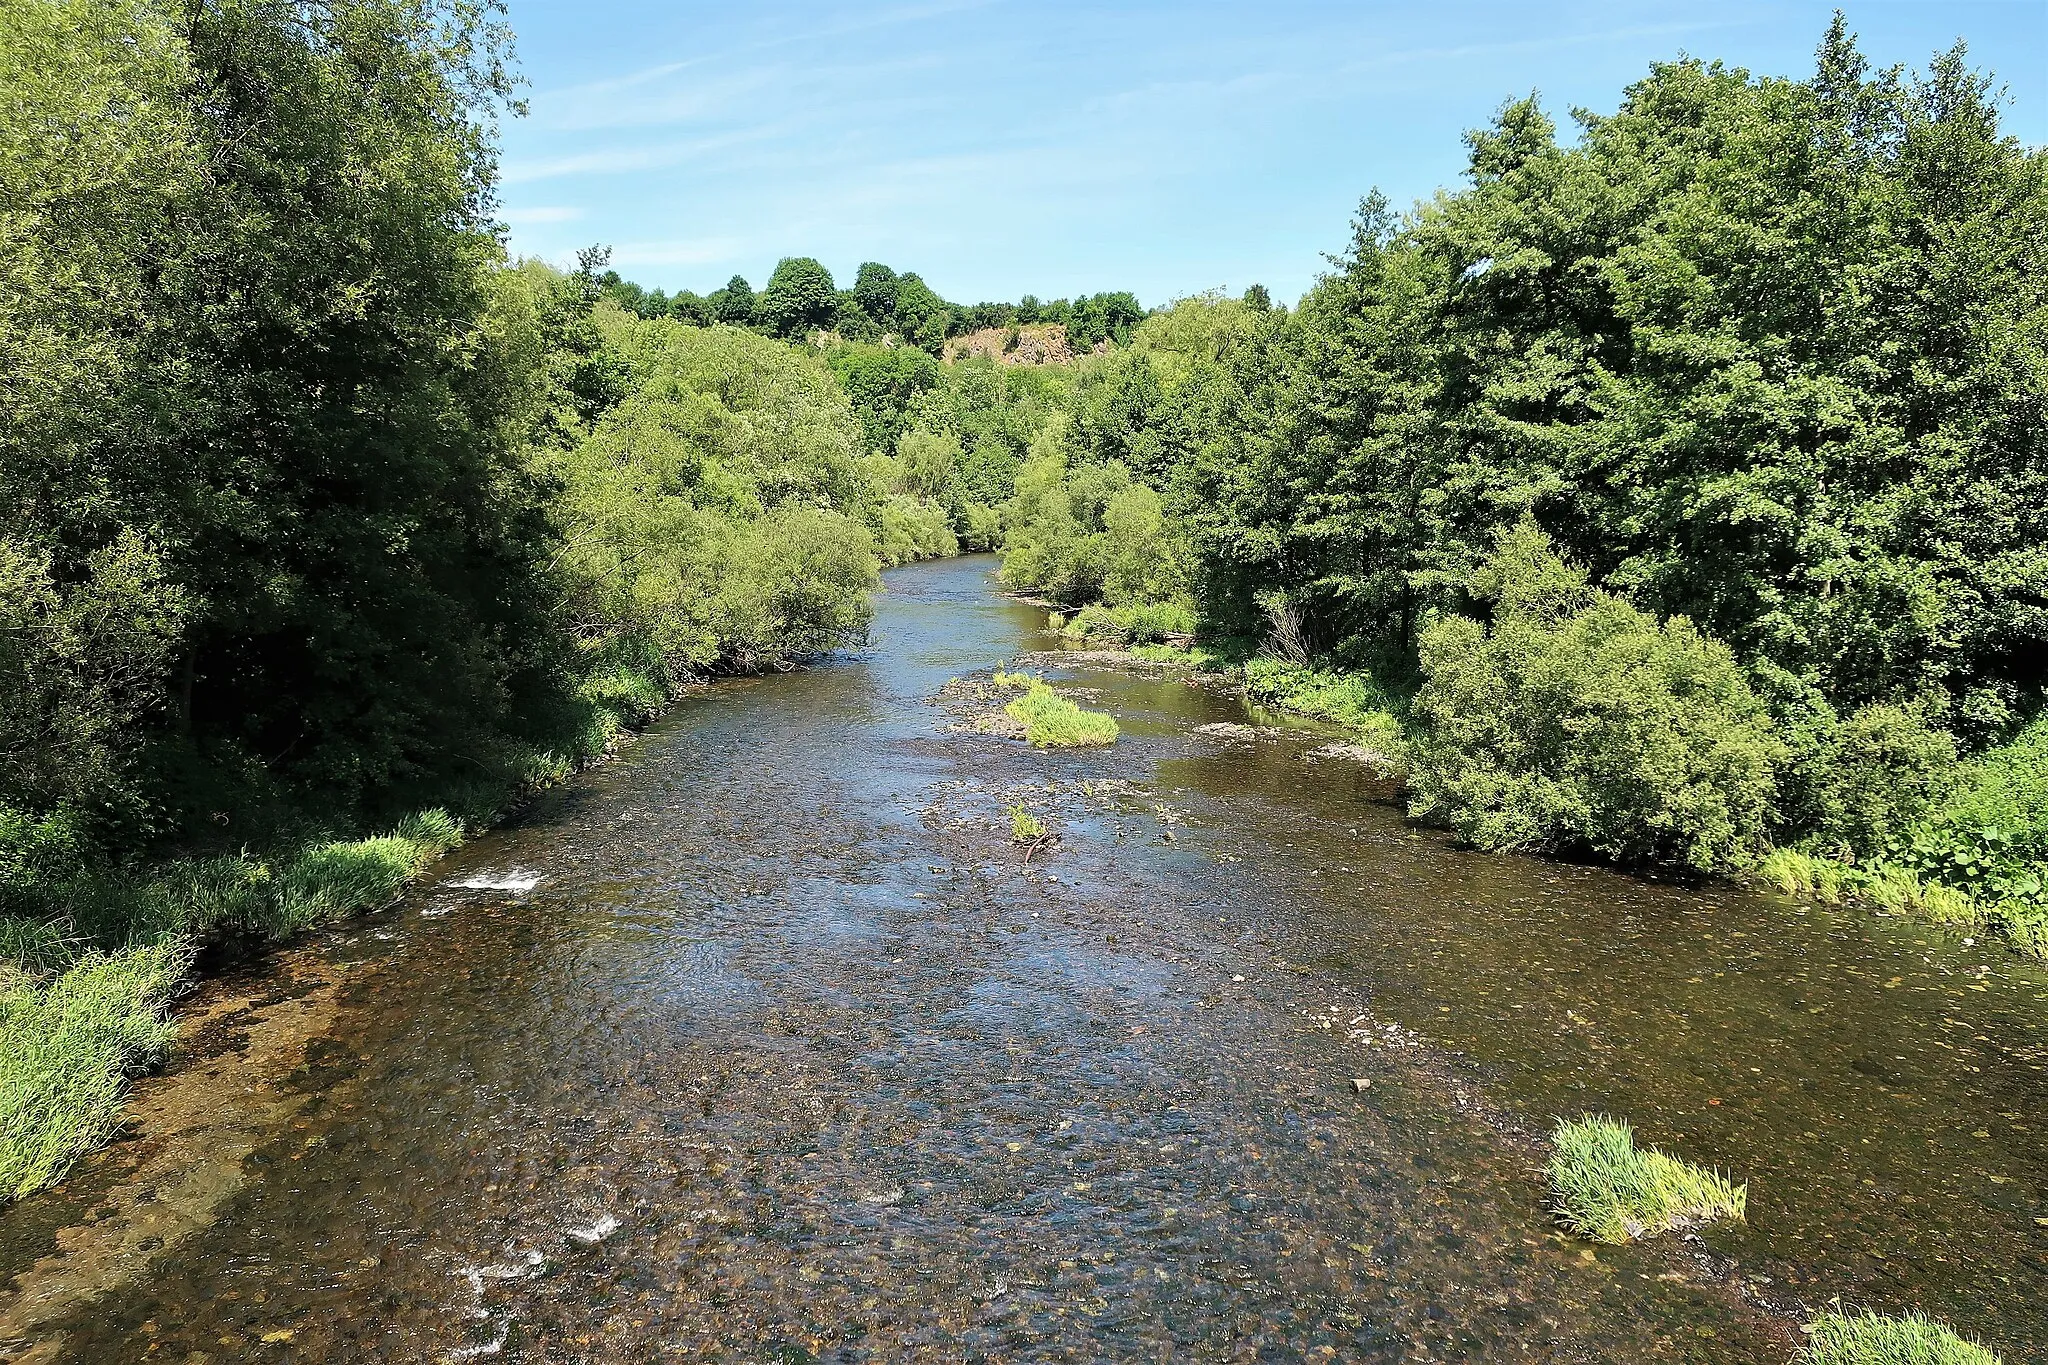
[[1755, 351], [1353, 699], [981, 526], [1130, 625], [67, 1046], [882, 382], [1025, 828], [1837, 1338], [1085, 534], [914, 529], [874, 289], [1989, 835], [798, 299], [1853, 786], [1575, 721], [735, 304], [1606, 1188], [1053, 722], [713, 518]]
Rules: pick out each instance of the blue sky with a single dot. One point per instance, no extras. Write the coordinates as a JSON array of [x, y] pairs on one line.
[[1002, 148]]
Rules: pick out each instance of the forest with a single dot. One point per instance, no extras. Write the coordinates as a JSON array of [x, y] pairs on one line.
[[1671, 492]]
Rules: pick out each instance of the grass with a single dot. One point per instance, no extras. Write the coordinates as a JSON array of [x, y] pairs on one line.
[[1898, 890], [1025, 827], [1053, 722], [67, 1047], [1871, 1339], [1608, 1189], [1354, 700]]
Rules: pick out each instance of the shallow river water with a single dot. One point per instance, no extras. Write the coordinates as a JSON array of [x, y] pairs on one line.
[[788, 1054]]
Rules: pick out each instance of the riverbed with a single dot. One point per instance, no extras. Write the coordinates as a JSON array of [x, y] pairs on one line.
[[765, 1043]]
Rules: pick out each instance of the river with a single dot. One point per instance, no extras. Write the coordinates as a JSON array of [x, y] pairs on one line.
[[788, 1054]]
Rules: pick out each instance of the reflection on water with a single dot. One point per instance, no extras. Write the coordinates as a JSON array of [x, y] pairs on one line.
[[783, 1056]]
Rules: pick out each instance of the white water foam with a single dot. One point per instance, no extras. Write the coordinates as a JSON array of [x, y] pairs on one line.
[[518, 879]]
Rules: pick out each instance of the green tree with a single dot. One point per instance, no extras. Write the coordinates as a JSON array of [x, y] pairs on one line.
[[799, 298], [734, 304], [874, 289]]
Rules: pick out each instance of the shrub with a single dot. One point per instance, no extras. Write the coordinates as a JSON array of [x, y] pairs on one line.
[[66, 1049], [911, 529], [981, 526], [1871, 1339], [1608, 1189], [1051, 721], [1989, 836], [1853, 785], [1577, 721]]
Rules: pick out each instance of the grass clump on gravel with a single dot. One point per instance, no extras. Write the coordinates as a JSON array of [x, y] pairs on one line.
[[1610, 1190], [1053, 722], [1873, 1339]]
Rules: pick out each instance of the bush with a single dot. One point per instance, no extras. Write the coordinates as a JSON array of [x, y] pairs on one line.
[[1051, 721], [66, 1049], [981, 526], [1576, 721], [1870, 1339], [1989, 835], [1610, 1190], [912, 529], [1852, 786]]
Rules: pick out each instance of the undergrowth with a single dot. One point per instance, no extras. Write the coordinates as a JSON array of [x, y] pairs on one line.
[[1352, 699], [1607, 1188]]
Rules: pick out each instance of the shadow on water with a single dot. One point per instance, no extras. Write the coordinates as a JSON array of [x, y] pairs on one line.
[[786, 1056]]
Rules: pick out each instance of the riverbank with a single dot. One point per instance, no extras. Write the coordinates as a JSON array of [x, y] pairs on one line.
[[77, 1020], [1910, 884]]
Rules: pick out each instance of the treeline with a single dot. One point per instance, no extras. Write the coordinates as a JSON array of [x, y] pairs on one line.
[[800, 300], [1676, 493], [320, 517]]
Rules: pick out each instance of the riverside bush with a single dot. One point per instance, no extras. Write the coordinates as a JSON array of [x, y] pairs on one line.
[[1575, 721], [1353, 699], [1130, 625], [1989, 835], [1610, 1190]]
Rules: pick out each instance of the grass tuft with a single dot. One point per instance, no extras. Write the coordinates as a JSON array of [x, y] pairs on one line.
[[1872, 1339], [1608, 1189], [1025, 827], [67, 1046], [1051, 721]]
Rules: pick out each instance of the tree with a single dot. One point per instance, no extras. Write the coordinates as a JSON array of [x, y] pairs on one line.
[[799, 298], [734, 304], [874, 288]]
